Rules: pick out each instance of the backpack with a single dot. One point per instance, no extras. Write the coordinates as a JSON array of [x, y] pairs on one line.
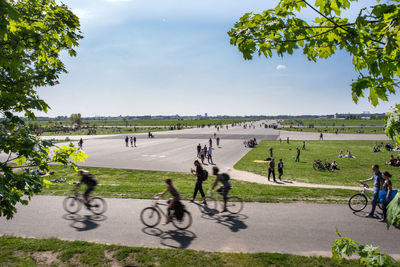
[[225, 176], [204, 177]]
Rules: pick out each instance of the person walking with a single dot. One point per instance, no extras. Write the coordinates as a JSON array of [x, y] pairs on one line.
[[205, 151], [321, 137], [210, 142], [131, 141], [198, 150], [298, 155], [386, 186], [280, 140], [378, 181], [271, 152], [202, 156], [218, 141], [209, 158], [271, 169], [80, 143], [126, 141], [280, 169], [200, 173], [134, 141], [304, 145], [287, 139]]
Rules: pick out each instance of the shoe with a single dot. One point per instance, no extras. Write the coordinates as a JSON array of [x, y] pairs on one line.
[[192, 200], [165, 223], [204, 202], [224, 210], [382, 220], [369, 215]]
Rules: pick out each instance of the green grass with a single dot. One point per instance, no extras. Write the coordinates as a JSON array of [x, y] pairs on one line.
[[351, 170], [341, 130], [123, 183], [16, 251], [333, 122]]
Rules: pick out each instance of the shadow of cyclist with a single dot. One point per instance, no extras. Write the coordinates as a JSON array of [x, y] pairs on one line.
[[84, 223], [235, 222], [179, 239]]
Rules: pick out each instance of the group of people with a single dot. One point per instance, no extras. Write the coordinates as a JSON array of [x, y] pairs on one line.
[[131, 139], [206, 153], [395, 162], [348, 154], [271, 169], [381, 182]]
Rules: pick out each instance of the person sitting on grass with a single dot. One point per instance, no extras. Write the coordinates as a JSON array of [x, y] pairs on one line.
[[349, 155], [341, 154], [334, 166], [392, 161], [172, 202]]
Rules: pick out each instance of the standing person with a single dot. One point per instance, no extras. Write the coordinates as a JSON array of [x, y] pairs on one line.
[[134, 141], [202, 156], [287, 139], [271, 169], [210, 142], [200, 173], [280, 140], [80, 143], [280, 169], [304, 145], [378, 181], [209, 158], [205, 151], [271, 152], [172, 202], [321, 137], [217, 141], [131, 141], [298, 155], [387, 186], [198, 150], [126, 140]]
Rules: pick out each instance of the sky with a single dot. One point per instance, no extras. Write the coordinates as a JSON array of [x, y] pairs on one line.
[[152, 57]]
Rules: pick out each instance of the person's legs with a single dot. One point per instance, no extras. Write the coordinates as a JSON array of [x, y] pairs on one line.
[[273, 175], [280, 174], [269, 173], [196, 188], [201, 191], [374, 202]]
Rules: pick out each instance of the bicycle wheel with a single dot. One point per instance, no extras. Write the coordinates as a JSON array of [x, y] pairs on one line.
[[72, 205], [358, 202], [185, 223], [150, 216], [210, 208], [97, 205], [316, 166], [234, 204]]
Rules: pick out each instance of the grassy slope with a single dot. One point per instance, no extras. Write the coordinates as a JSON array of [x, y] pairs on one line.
[[145, 184], [351, 170], [15, 251]]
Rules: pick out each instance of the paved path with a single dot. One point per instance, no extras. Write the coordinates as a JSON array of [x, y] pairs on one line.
[[297, 228]]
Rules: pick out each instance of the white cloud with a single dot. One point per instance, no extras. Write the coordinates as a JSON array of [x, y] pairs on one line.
[[281, 67], [115, 1]]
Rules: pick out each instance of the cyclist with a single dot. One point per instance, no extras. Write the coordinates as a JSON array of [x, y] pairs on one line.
[[226, 186], [172, 202], [89, 180], [378, 181]]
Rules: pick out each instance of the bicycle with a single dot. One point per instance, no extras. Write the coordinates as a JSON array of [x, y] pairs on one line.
[[359, 201], [73, 204], [318, 165], [151, 216], [234, 204]]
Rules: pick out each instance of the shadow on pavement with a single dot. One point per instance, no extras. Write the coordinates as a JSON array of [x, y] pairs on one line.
[[179, 239], [84, 223]]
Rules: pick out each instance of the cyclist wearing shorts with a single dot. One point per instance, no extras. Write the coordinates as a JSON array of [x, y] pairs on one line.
[[172, 202], [226, 186], [89, 180]]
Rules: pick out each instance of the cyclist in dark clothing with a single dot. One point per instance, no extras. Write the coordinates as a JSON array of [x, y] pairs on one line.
[[172, 202], [89, 180], [199, 173], [387, 186], [226, 186]]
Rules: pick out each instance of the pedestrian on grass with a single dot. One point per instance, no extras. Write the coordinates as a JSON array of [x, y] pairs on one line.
[[271, 169], [280, 140], [378, 181], [271, 152], [198, 150], [304, 145], [134, 141], [298, 155], [200, 174], [287, 139], [280, 169], [131, 141], [126, 141], [209, 158]]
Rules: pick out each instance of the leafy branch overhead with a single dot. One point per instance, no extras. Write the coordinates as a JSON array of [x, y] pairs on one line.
[[33, 33], [372, 39]]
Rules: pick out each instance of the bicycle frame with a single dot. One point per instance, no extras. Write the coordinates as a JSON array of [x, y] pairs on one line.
[[157, 205]]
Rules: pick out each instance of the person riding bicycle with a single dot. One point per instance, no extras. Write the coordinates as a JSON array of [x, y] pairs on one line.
[[226, 186], [89, 180], [172, 202]]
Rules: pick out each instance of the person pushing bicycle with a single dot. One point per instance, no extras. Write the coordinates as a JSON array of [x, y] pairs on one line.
[[223, 178], [172, 202], [89, 180]]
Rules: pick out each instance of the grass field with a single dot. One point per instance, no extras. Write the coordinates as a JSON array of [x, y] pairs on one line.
[[351, 170], [333, 122], [145, 184], [341, 130], [16, 251]]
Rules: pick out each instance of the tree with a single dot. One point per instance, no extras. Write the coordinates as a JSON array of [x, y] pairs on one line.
[[76, 119], [32, 35], [372, 39]]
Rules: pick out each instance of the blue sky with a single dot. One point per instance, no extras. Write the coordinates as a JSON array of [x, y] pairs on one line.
[[173, 57]]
